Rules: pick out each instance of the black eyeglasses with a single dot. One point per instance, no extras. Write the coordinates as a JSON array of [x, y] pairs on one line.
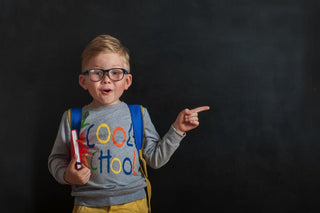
[[96, 74]]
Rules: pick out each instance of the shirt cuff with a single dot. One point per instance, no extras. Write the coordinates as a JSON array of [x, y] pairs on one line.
[[60, 177], [184, 134]]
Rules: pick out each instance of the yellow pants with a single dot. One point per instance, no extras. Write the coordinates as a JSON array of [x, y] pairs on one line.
[[138, 206]]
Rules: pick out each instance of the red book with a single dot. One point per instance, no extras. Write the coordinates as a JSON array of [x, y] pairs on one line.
[[75, 148]]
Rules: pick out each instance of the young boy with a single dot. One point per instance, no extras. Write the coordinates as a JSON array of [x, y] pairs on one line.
[[110, 179]]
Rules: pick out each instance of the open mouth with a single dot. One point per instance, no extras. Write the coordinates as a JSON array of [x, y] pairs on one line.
[[106, 91]]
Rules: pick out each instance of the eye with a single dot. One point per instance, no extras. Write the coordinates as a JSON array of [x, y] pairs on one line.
[[96, 72], [116, 72]]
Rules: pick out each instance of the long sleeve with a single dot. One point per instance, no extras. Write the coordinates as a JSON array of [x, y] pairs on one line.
[[158, 151], [60, 155]]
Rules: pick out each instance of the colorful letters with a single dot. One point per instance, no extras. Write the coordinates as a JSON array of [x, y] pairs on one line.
[[97, 133], [104, 160], [114, 133]]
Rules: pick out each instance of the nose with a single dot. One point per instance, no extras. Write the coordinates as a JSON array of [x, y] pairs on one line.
[[106, 79]]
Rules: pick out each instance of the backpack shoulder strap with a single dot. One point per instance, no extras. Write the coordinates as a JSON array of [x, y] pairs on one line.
[[138, 130], [138, 126], [74, 115]]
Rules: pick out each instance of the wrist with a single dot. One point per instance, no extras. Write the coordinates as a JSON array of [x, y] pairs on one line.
[[177, 130]]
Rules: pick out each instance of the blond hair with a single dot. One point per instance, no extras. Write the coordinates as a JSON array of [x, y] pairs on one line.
[[107, 44]]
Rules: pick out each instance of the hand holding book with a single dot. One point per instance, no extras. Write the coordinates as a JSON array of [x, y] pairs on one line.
[[76, 176]]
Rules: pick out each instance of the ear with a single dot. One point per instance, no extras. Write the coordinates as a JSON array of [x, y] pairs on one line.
[[82, 81], [128, 81]]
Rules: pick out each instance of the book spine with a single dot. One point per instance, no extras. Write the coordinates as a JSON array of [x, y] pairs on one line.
[[75, 148]]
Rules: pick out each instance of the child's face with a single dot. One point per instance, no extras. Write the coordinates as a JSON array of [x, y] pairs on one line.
[[105, 92]]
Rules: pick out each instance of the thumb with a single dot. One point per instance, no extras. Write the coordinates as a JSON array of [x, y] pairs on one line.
[[187, 111], [73, 163], [74, 159], [83, 165]]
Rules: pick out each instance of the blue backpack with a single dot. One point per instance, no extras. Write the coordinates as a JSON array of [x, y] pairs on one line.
[[75, 116]]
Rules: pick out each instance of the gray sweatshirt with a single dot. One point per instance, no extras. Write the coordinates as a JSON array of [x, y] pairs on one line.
[[108, 150]]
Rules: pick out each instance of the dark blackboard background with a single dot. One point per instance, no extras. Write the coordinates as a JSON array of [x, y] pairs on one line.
[[256, 63]]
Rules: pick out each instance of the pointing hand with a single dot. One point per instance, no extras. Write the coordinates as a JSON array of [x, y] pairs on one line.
[[188, 119]]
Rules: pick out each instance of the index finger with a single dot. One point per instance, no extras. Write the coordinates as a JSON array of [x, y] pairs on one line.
[[200, 109]]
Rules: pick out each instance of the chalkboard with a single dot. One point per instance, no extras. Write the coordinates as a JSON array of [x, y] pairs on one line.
[[255, 63]]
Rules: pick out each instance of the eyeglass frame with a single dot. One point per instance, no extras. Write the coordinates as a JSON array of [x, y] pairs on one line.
[[87, 72]]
